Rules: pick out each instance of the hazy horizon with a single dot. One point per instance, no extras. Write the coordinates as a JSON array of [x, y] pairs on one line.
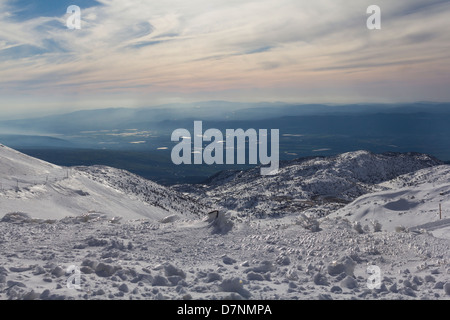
[[7, 115]]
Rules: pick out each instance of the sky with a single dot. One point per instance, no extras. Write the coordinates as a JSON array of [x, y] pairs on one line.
[[140, 53]]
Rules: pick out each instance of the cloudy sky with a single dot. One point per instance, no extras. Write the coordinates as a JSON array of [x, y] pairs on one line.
[[142, 53]]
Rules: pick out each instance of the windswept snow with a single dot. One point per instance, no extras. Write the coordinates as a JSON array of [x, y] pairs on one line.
[[17, 168], [264, 259], [411, 201], [46, 191], [303, 184], [102, 233]]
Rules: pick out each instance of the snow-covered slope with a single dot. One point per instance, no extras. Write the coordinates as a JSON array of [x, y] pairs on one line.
[[411, 201], [221, 255], [303, 184], [144, 190], [18, 168], [46, 191]]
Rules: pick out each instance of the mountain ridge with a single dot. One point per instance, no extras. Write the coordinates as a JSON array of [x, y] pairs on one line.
[[306, 182]]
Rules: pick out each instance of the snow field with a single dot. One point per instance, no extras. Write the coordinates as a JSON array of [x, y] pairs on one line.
[[311, 232], [187, 259]]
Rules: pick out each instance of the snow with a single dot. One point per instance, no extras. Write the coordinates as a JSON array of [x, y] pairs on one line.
[[166, 261], [51, 192], [129, 238], [412, 201], [302, 184], [18, 168]]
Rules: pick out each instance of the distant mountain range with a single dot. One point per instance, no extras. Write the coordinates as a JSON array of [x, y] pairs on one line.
[[223, 111]]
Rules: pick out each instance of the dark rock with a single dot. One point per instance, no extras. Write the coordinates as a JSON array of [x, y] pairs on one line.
[[349, 283], [320, 279], [255, 276]]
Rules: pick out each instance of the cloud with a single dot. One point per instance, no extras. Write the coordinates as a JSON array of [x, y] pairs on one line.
[[142, 47]]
